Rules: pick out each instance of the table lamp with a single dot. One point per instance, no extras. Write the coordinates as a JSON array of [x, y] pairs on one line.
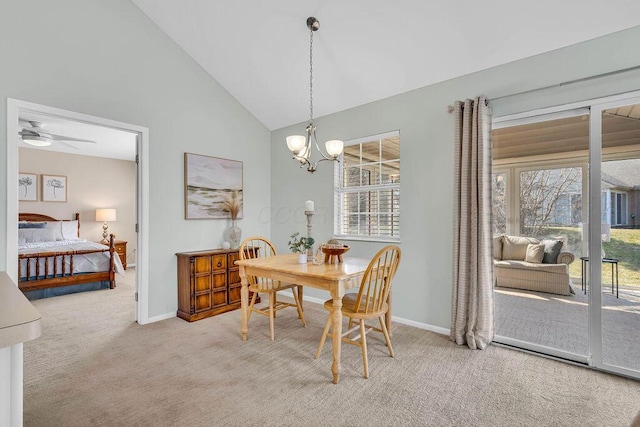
[[105, 215]]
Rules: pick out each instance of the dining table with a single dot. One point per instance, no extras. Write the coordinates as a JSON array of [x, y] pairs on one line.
[[333, 277]]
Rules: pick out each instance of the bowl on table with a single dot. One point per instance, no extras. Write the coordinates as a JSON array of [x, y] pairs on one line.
[[333, 252]]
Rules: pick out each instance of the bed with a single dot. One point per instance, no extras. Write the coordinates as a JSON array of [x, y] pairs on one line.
[[51, 255]]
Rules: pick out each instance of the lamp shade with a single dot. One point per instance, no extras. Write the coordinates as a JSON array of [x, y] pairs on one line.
[[105, 215], [296, 143], [334, 147]]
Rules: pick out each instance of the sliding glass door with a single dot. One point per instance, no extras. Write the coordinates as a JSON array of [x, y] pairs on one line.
[[617, 303], [570, 175]]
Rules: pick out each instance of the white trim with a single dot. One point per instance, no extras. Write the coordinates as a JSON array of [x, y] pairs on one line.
[[161, 317], [613, 99], [541, 349], [504, 122], [432, 328], [14, 107], [374, 137]]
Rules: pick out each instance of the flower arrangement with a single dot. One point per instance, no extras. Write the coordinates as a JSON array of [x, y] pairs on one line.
[[232, 205], [300, 245]]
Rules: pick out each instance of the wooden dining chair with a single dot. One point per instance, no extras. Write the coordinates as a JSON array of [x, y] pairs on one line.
[[259, 247], [369, 303]]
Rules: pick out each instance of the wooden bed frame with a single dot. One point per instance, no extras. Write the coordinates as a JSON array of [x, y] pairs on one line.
[[53, 279]]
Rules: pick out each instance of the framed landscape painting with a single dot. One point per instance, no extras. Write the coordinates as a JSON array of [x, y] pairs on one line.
[[54, 188], [27, 187], [213, 187]]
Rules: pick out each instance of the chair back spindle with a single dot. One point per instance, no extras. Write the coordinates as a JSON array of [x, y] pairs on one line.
[[376, 281]]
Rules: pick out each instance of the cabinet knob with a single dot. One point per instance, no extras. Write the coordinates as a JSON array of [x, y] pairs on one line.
[[219, 264]]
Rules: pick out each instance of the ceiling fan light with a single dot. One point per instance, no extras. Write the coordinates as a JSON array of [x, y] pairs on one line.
[[334, 147], [296, 143], [36, 141]]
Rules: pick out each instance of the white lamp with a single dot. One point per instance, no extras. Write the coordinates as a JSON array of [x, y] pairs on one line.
[[105, 215]]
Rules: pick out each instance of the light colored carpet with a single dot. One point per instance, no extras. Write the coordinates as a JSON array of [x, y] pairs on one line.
[[561, 322], [93, 366]]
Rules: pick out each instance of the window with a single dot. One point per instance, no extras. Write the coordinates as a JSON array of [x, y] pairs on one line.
[[618, 208], [367, 189]]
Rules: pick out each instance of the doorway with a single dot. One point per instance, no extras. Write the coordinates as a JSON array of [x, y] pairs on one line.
[[20, 109], [569, 174]]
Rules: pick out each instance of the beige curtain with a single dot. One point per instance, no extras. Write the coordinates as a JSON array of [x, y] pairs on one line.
[[472, 303]]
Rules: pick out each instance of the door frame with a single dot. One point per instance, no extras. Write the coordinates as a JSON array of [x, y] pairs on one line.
[[14, 108], [596, 106]]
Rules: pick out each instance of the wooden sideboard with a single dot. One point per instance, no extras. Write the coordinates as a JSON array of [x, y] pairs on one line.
[[208, 283]]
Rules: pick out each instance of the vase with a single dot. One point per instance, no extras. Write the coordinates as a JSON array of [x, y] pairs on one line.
[[302, 258], [233, 235]]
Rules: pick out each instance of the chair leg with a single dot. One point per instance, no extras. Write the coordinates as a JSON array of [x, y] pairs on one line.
[[272, 300], [363, 343], [324, 336], [298, 301], [383, 326], [251, 304]]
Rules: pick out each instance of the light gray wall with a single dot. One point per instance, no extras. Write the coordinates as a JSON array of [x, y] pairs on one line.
[[107, 59], [422, 290]]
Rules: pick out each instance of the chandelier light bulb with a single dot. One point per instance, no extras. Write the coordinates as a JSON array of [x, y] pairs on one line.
[[296, 143], [334, 147]]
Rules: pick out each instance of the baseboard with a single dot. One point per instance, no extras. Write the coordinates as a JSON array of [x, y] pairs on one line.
[[401, 320], [162, 317]]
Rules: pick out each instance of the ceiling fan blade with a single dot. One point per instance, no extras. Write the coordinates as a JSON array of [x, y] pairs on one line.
[[69, 139], [68, 145]]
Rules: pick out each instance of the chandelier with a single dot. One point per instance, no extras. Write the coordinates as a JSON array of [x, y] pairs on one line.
[[300, 145]]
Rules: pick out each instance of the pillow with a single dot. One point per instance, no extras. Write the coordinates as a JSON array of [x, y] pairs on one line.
[[35, 235], [535, 253], [552, 249], [69, 229], [515, 247], [30, 224], [56, 226]]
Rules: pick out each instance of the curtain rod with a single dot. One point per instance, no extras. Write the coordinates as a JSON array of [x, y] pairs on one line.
[[570, 82]]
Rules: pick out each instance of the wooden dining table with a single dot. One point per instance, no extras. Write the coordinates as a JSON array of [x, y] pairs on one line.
[[335, 278]]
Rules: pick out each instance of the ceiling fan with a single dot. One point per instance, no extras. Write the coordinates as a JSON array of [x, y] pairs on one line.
[[36, 135]]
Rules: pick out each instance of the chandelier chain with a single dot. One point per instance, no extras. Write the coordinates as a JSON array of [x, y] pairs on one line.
[[311, 79]]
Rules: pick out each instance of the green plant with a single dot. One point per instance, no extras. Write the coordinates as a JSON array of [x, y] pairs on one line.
[[299, 245]]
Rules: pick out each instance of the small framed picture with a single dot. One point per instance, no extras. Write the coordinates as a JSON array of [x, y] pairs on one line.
[[27, 187], [54, 188]]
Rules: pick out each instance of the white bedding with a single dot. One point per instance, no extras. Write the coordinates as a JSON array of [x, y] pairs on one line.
[[86, 263]]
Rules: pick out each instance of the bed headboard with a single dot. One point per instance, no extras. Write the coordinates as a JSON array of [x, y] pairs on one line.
[[42, 217]]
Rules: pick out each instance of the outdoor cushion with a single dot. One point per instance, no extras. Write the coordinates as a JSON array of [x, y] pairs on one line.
[[530, 266], [551, 251], [535, 252], [515, 247]]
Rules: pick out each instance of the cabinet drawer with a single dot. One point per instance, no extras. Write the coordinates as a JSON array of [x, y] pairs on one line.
[[234, 277], [234, 294], [219, 262], [202, 264], [219, 298], [219, 280], [203, 302], [233, 258], [202, 283]]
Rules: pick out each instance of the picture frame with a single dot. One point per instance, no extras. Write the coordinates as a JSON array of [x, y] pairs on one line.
[[212, 187], [54, 188], [27, 187]]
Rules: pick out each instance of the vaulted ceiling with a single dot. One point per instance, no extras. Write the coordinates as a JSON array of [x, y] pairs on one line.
[[367, 50]]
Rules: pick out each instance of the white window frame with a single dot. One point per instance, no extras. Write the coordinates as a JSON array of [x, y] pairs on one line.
[[339, 191]]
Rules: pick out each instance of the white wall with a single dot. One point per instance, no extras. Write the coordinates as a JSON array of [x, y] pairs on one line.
[[92, 182], [108, 59], [422, 290]]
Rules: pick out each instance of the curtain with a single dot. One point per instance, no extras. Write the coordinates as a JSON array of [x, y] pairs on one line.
[[472, 314]]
